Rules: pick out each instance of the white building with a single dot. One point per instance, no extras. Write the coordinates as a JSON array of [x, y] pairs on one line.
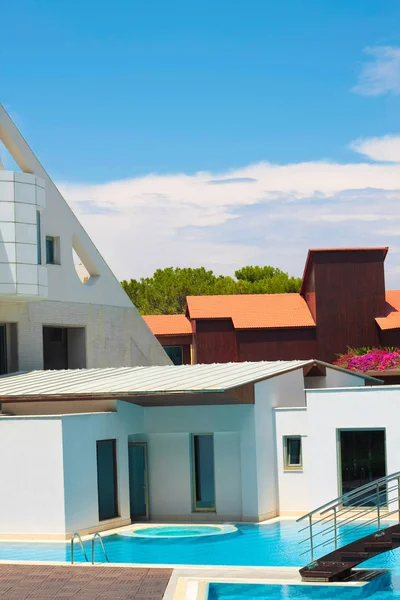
[[89, 450], [52, 316]]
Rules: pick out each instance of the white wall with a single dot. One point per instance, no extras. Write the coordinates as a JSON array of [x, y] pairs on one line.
[[284, 390], [293, 486], [351, 408], [32, 498], [168, 432], [334, 379], [80, 433]]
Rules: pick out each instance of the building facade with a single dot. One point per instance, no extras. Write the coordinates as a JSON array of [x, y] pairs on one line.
[[52, 314], [342, 303], [202, 443]]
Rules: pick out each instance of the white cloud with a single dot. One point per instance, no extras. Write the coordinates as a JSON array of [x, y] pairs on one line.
[[262, 214], [382, 74], [385, 148]]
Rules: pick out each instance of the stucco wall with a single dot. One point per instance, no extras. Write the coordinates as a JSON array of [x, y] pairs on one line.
[[357, 408], [79, 436], [32, 498], [334, 379], [114, 335], [285, 390], [169, 446], [292, 485]]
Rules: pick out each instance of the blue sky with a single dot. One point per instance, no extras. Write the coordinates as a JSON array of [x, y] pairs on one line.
[[134, 108]]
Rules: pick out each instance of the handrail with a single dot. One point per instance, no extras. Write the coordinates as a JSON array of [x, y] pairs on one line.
[[98, 536], [348, 508], [358, 491], [76, 535]]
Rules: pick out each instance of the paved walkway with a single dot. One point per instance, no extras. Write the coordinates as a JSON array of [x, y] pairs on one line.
[[42, 582]]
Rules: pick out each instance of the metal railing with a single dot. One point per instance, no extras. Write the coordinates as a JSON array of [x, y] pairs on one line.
[[347, 515], [98, 536], [76, 535]]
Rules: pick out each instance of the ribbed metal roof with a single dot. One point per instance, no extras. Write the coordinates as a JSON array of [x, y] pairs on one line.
[[142, 380]]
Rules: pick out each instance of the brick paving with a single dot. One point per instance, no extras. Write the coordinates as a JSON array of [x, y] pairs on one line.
[[42, 582]]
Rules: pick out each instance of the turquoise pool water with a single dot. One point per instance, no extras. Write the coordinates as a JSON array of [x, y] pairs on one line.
[[276, 544], [385, 587], [175, 531]]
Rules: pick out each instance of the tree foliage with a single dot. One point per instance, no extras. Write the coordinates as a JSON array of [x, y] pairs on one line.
[[165, 292]]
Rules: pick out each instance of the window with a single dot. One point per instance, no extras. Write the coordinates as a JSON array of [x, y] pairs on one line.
[[107, 479], [292, 453], [175, 353], [52, 250], [203, 472], [38, 238]]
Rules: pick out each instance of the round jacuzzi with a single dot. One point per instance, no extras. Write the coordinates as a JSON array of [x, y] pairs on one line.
[[157, 532]]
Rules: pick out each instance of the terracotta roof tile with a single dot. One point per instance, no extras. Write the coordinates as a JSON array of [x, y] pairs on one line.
[[392, 319], [253, 311], [168, 324]]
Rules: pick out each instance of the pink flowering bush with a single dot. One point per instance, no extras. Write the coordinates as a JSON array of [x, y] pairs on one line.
[[369, 359]]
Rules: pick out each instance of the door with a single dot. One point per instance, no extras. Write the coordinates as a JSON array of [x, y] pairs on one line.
[[107, 479], [138, 485], [363, 459]]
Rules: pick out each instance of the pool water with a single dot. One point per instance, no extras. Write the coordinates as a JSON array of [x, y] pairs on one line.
[[174, 531], [275, 544], [385, 587]]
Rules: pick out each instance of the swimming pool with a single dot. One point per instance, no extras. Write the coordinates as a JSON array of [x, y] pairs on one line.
[[385, 587], [274, 544]]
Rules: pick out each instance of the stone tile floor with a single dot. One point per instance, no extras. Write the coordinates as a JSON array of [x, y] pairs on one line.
[[42, 582]]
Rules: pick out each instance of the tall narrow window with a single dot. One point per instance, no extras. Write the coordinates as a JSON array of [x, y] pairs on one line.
[[203, 472], [107, 479], [293, 460], [50, 250], [38, 238], [3, 350]]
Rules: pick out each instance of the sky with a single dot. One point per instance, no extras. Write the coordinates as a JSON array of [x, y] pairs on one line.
[[214, 134]]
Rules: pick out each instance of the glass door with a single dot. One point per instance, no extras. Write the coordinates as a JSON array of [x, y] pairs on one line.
[[203, 472], [138, 484], [362, 460]]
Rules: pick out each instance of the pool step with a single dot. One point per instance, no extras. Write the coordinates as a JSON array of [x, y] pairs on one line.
[[338, 565]]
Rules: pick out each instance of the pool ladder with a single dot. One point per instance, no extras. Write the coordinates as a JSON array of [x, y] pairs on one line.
[[78, 537]]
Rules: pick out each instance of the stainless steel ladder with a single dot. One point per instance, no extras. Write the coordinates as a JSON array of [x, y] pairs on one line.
[[98, 536], [78, 537]]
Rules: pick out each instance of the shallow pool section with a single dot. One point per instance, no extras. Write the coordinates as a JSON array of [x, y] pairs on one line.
[[175, 532]]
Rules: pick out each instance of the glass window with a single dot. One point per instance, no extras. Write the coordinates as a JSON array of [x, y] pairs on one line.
[[50, 250], [38, 238], [293, 459], [203, 472], [107, 479], [175, 353]]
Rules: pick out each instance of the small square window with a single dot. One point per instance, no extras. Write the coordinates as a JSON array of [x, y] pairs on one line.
[[292, 453], [52, 250]]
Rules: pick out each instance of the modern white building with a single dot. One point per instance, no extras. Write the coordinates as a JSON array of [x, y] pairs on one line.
[[89, 450], [51, 314]]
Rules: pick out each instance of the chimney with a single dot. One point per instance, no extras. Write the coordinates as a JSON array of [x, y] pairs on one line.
[[345, 291]]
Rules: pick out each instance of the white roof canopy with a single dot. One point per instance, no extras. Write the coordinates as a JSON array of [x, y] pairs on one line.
[[139, 381]]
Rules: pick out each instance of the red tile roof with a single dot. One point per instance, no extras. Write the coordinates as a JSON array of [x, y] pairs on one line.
[[392, 319], [253, 311], [168, 324]]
